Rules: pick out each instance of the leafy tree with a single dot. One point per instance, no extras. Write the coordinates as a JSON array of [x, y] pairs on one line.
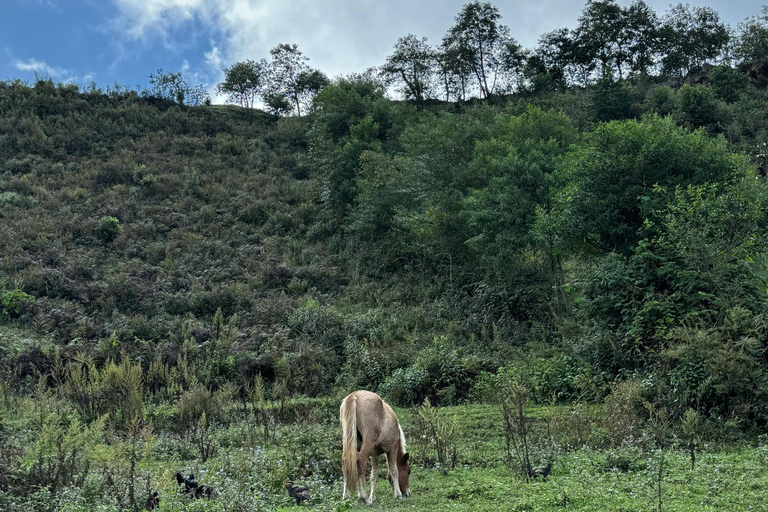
[[690, 37], [698, 265], [752, 39], [244, 82], [611, 101], [480, 42], [453, 71], [697, 106], [728, 83], [412, 65], [351, 116], [517, 165], [174, 87], [602, 34], [621, 39], [291, 77], [642, 35], [613, 180], [751, 46], [309, 84], [557, 57]]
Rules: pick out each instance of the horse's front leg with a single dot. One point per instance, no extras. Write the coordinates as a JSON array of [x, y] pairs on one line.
[[393, 475], [374, 477]]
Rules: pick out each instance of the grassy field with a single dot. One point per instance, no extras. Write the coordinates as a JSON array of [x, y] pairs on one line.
[[247, 473]]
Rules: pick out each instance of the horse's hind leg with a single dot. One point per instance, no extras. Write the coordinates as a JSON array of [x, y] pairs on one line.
[[362, 457], [393, 474], [374, 477]]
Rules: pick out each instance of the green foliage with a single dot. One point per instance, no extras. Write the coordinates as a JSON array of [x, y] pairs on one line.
[[440, 375], [351, 117], [172, 85], [612, 101], [623, 171], [697, 106], [662, 100], [108, 228], [728, 83], [752, 40], [244, 82], [411, 64], [14, 303], [436, 433], [689, 37]]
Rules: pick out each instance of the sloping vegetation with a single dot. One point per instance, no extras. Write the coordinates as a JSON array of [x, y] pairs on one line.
[[194, 288]]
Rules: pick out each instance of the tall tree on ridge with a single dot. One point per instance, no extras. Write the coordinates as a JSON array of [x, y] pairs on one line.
[[480, 41], [412, 64], [244, 82], [690, 38], [291, 77]]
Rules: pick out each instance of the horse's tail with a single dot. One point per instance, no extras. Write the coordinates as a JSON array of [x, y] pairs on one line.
[[348, 417]]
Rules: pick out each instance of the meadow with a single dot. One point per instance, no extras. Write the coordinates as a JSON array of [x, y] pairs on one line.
[[254, 448]]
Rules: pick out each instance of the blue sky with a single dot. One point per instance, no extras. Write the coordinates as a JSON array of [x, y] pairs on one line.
[[122, 41]]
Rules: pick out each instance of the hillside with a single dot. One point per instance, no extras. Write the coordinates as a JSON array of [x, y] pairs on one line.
[[204, 278]]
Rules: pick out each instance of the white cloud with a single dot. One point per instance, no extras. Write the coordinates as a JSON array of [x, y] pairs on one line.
[[41, 67], [45, 70], [338, 36]]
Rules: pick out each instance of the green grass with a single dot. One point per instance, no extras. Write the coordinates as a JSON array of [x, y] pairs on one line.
[[247, 474]]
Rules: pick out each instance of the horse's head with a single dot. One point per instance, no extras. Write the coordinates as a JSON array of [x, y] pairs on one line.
[[404, 473]]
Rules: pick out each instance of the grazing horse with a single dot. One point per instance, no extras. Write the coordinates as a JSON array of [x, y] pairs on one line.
[[369, 428]]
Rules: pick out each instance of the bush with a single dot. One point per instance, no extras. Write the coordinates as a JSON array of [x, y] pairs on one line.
[[728, 83], [14, 303], [697, 106], [108, 229]]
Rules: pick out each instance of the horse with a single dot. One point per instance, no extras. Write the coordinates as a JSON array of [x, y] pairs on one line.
[[369, 428]]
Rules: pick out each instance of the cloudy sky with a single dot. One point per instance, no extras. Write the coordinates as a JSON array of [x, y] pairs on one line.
[[122, 41]]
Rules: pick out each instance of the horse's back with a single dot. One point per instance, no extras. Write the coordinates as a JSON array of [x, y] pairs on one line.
[[375, 417]]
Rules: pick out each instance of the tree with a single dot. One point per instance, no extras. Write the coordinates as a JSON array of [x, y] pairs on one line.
[[691, 37], [291, 77], [309, 84], [601, 33], [172, 86], [621, 39], [752, 45], [412, 64], [480, 41], [453, 72], [643, 37], [351, 116], [611, 180], [518, 165], [555, 58], [244, 82]]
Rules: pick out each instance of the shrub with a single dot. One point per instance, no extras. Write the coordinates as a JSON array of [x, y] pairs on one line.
[[108, 228], [434, 432], [14, 303], [728, 83], [662, 100], [621, 412], [696, 106]]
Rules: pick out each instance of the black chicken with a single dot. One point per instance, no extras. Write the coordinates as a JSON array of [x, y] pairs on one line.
[[153, 501], [298, 492], [541, 471], [192, 488]]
